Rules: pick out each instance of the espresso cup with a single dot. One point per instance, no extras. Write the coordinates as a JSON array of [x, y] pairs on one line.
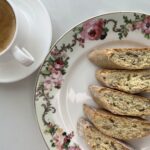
[[8, 34]]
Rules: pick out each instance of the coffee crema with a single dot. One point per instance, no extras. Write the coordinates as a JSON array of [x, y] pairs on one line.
[[7, 24]]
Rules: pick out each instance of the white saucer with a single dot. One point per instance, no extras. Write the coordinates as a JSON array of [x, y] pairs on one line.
[[35, 34]]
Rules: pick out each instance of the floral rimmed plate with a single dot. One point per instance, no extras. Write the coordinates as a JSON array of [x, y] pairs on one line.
[[66, 73]]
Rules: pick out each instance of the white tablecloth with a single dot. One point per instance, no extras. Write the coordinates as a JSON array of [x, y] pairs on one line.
[[18, 125]]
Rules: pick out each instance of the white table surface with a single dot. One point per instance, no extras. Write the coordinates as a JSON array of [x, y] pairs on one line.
[[18, 125]]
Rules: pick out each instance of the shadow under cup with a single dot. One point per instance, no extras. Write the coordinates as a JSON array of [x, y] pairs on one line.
[[7, 25]]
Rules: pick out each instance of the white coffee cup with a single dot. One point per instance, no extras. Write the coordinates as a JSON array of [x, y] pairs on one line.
[[20, 53]]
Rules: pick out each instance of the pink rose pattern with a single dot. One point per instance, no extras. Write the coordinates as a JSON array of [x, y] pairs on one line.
[[61, 140], [143, 25], [93, 29], [55, 70], [55, 66]]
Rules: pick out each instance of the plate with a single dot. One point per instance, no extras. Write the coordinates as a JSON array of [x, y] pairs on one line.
[[62, 85], [35, 33]]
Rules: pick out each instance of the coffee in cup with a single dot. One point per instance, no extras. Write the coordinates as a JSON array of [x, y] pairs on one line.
[[7, 24], [9, 21]]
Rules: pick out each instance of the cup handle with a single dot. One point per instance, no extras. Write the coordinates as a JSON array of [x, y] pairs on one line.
[[22, 56]]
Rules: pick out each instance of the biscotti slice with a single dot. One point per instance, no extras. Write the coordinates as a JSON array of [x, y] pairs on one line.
[[123, 128], [119, 102], [97, 140], [121, 58], [130, 81]]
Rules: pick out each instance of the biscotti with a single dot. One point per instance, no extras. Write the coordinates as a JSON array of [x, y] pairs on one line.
[[97, 140], [119, 102], [125, 80], [123, 128], [121, 58]]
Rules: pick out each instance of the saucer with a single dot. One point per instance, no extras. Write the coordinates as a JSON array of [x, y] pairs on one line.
[[35, 34]]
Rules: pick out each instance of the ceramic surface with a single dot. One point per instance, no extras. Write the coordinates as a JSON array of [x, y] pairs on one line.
[[34, 33], [62, 86]]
